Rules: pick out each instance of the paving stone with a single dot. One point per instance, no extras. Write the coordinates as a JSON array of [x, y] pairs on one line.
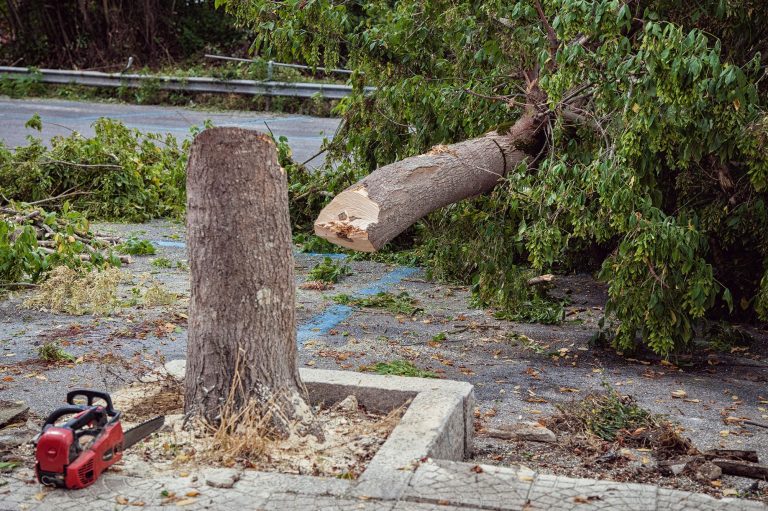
[[464, 485], [291, 502], [306, 485], [427, 506], [11, 411], [557, 492], [221, 477], [675, 500]]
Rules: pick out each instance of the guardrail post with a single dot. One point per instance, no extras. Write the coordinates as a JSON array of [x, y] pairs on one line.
[[269, 71]]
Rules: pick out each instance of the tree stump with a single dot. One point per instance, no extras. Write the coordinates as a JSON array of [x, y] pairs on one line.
[[242, 308]]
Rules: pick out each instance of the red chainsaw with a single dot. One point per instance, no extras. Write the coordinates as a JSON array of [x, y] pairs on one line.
[[72, 453]]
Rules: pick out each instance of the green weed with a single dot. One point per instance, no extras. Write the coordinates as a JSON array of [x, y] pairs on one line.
[[607, 414], [399, 368], [162, 262], [9, 466], [537, 310], [157, 295], [397, 304], [52, 352], [137, 247], [329, 271]]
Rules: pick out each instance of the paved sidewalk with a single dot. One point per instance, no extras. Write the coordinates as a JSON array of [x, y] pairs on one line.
[[432, 486]]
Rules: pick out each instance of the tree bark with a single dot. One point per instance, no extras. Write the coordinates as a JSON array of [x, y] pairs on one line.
[[383, 204], [242, 308]]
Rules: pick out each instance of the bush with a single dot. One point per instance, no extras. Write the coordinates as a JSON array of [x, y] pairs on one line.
[[118, 174]]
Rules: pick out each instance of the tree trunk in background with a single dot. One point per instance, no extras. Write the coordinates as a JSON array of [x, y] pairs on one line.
[[383, 204], [242, 308]]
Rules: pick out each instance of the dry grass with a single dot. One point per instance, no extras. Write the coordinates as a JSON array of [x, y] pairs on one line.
[[609, 417], [74, 292], [157, 295], [243, 432]]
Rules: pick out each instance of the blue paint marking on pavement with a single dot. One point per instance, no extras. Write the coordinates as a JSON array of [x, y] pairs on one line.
[[319, 254], [321, 323], [172, 244], [390, 279]]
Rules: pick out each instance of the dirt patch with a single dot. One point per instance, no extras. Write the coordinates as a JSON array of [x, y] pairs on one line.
[[609, 436], [352, 437]]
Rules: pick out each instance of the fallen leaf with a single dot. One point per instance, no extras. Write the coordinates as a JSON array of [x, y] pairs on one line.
[[569, 389], [192, 493], [679, 394], [477, 469], [186, 502], [123, 501], [730, 492], [533, 373], [583, 499]]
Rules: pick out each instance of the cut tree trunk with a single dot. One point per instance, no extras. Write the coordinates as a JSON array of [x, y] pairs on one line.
[[383, 204], [241, 313]]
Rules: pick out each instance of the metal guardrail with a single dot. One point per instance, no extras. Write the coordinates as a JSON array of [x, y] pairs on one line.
[[187, 84], [271, 64]]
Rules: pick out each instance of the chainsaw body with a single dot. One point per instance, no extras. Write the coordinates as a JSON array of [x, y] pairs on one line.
[[74, 453]]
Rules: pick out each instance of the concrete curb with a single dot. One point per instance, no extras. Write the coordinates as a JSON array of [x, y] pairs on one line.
[[437, 424]]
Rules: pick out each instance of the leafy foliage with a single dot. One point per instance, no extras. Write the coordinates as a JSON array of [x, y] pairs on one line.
[[53, 352], [118, 174], [329, 271], [67, 239], [399, 368], [136, 246], [399, 304], [605, 415], [658, 175]]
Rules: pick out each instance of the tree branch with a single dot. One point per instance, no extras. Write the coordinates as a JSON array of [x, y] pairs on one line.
[[554, 44]]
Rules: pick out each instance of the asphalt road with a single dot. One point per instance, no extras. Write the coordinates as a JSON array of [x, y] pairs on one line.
[[305, 134]]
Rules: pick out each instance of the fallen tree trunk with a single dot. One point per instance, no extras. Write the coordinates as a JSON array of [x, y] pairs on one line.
[[383, 204]]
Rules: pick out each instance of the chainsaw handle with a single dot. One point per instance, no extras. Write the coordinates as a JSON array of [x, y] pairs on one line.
[[61, 412], [92, 395]]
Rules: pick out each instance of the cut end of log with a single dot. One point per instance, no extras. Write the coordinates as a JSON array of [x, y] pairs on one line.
[[347, 220]]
